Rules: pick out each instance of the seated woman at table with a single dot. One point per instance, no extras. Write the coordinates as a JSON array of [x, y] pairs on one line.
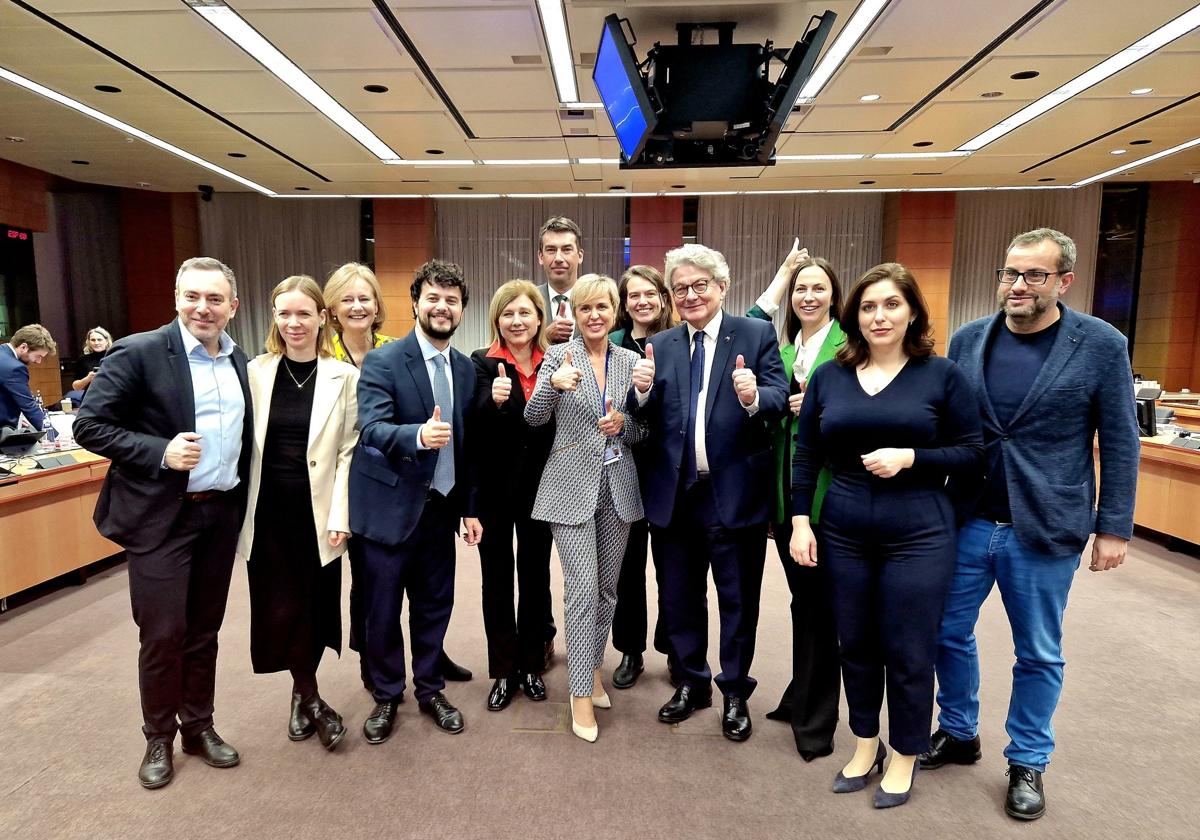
[[95, 348], [297, 516]]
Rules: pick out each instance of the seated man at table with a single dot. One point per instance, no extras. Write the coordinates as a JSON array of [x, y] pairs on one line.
[[28, 346]]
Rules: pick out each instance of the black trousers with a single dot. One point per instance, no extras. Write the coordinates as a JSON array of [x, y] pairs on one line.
[[630, 621], [422, 567], [178, 593], [890, 549], [694, 542], [516, 638], [810, 702]]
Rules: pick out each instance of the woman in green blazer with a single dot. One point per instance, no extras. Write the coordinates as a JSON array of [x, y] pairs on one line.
[[812, 335]]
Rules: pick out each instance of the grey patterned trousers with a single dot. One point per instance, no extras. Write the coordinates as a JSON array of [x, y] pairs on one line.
[[591, 556]]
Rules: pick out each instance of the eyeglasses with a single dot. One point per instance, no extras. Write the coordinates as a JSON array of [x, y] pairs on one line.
[[699, 287], [1033, 277]]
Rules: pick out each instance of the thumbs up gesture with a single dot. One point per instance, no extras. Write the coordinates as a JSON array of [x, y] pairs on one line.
[[435, 433], [501, 387], [643, 371], [613, 422], [744, 381], [567, 377]]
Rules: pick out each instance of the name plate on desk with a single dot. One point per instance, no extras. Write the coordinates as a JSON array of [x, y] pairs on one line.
[[1186, 442]]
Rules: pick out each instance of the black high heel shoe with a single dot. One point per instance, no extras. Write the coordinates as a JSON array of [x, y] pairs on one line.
[[883, 799], [850, 784]]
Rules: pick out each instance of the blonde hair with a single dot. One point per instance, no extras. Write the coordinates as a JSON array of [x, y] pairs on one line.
[[87, 339], [505, 295], [592, 286], [341, 279], [306, 285]]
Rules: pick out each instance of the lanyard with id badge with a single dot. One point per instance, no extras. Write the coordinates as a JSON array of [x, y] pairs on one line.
[[612, 446]]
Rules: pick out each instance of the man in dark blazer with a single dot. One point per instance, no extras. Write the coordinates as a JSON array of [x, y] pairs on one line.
[[1050, 381], [171, 409], [560, 254], [409, 483], [709, 391], [29, 345]]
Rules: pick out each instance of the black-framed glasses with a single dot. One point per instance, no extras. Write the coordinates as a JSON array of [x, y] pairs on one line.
[[1033, 277], [699, 287]]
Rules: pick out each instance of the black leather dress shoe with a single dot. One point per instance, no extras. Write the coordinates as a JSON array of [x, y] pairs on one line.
[[534, 687], [299, 727], [627, 673], [324, 720], [674, 672], [211, 749], [377, 728], [735, 722], [683, 702], [158, 766], [944, 748], [502, 693], [447, 718], [1025, 800], [452, 671]]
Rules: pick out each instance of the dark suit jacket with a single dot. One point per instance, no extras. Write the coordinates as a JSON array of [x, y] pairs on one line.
[[740, 456], [507, 453], [390, 476], [1084, 387], [15, 397], [141, 398]]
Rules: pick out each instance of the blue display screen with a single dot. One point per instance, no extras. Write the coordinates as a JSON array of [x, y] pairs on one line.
[[621, 100]]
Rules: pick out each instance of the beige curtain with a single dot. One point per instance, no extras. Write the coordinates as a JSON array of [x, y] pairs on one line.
[[265, 240], [754, 233], [496, 240], [985, 222]]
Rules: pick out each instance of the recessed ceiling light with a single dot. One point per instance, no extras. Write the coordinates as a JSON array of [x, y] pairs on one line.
[[303, 189], [466, 189], [866, 183], [435, 151], [1139, 142], [1025, 74], [236, 155], [108, 88], [869, 97], [992, 94], [921, 143], [1045, 179], [81, 162], [1148, 45], [375, 88], [616, 187], [1118, 151], [14, 139], [854, 30], [1141, 91], [678, 186], [558, 42]]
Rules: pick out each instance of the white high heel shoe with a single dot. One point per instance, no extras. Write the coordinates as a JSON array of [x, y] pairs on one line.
[[587, 733], [602, 701]]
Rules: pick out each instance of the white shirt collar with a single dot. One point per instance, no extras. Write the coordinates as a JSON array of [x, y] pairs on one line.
[[190, 342], [712, 329], [818, 338]]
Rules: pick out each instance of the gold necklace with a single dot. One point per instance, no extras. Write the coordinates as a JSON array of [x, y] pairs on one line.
[[299, 384]]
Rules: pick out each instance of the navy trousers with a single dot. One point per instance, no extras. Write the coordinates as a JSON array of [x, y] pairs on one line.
[[422, 566], [694, 542], [890, 548]]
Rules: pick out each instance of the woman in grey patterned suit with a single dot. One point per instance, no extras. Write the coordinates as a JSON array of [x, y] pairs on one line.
[[589, 490]]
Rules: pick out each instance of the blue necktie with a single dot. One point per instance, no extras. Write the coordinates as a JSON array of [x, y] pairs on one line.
[[443, 471], [697, 385]]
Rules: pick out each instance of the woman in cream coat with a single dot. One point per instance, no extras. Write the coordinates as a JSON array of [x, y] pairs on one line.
[[304, 435]]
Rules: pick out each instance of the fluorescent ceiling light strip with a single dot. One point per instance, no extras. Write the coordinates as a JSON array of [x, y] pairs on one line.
[[1160, 37], [462, 195], [530, 162], [248, 38], [846, 40], [819, 157], [42, 90], [558, 42], [1132, 164], [429, 162], [583, 106], [542, 195], [598, 160], [919, 155]]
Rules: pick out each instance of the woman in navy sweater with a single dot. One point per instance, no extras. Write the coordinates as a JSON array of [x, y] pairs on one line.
[[891, 421]]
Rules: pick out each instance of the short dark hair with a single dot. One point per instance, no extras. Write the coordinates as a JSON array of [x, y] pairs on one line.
[[918, 339], [791, 321], [560, 224], [439, 273]]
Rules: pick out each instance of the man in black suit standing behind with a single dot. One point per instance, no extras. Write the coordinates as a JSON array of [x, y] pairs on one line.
[[171, 409], [409, 483]]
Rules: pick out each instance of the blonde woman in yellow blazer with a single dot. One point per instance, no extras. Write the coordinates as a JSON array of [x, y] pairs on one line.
[[297, 519]]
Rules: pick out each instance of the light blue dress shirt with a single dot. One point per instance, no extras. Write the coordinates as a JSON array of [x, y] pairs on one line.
[[428, 351], [220, 413]]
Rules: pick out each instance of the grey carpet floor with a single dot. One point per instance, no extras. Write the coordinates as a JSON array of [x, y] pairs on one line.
[[70, 744]]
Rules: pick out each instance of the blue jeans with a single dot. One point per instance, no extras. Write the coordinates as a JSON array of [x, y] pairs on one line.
[[1034, 589]]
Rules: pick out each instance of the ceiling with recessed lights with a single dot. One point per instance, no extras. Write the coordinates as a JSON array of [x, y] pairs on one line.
[[367, 97]]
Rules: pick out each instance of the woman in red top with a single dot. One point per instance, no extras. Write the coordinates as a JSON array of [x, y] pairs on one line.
[[509, 456]]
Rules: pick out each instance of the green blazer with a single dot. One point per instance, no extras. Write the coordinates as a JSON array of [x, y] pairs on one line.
[[785, 432]]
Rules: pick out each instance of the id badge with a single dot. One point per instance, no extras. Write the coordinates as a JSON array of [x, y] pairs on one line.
[[612, 452]]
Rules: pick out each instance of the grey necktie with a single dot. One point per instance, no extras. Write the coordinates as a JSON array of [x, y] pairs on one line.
[[443, 472]]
